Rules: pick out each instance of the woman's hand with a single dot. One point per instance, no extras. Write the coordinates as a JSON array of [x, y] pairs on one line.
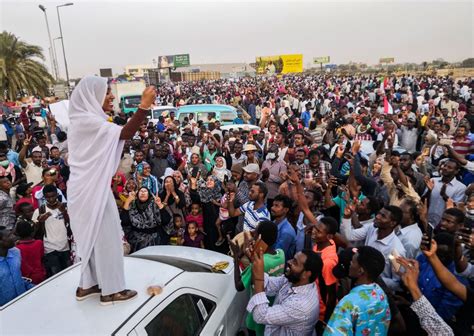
[[148, 97]]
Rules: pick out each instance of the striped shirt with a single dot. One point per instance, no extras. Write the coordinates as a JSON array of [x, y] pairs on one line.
[[253, 216], [463, 147], [294, 312]]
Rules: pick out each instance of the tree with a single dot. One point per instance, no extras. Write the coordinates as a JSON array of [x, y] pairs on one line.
[[21, 71], [468, 63]]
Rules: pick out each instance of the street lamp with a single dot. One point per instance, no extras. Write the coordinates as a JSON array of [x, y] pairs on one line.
[[55, 54], [54, 61], [62, 42]]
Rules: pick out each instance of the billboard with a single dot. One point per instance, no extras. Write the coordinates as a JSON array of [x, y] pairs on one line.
[[107, 72], [281, 64], [387, 60], [321, 60], [173, 61]]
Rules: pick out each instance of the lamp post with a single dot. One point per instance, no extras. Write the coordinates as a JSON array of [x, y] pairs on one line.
[[54, 61], [62, 43], [55, 54]]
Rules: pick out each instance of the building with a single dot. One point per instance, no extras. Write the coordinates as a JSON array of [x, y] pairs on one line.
[[138, 70], [226, 70]]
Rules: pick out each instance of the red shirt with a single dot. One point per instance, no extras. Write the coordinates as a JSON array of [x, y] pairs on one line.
[[198, 219], [32, 252], [25, 200], [330, 260]]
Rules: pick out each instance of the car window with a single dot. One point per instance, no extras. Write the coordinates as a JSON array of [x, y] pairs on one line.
[[227, 116], [132, 101], [158, 113], [185, 316], [202, 116], [182, 116]]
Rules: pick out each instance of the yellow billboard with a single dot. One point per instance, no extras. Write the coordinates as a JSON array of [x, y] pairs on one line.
[[281, 64]]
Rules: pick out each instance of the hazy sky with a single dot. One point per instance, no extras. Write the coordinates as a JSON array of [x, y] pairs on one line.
[[100, 34]]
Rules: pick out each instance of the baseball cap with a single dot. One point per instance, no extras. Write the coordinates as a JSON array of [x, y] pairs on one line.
[[252, 168], [22, 188]]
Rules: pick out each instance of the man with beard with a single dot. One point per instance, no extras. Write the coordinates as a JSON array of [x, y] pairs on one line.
[[274, 262], [365, 310], [381, 236], [442, 188], [417, 179], [296, 306]]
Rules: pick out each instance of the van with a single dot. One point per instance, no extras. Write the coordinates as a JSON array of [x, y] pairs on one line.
[[159, 111], [225, 114]]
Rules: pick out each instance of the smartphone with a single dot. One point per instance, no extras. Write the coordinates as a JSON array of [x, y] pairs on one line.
[[259, 244], [195, 171], [429, 233], [393, 260]]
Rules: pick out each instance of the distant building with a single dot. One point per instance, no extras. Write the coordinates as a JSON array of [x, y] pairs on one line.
[[138, 70], [226, 70]]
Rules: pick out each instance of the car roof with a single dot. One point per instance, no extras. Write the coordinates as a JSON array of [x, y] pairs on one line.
[[54, 299], [249, 127], [196, 255], [161, 107], [206, 108]]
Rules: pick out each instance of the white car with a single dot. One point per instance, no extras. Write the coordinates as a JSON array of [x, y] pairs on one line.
[[244, 127], [196, 299], [158, 111]]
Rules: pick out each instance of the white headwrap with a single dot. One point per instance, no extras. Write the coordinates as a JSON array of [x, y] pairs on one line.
[[94, 155]]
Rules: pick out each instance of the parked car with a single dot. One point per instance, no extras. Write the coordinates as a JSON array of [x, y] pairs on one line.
[[197, 299], [244, 127], [226, 114], [158, 111]]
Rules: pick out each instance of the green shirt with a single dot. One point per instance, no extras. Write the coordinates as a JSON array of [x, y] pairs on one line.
[[274, 265]]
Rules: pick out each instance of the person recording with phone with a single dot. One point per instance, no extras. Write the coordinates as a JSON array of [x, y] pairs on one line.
[[444, 188], [53, 221], [49, 177]]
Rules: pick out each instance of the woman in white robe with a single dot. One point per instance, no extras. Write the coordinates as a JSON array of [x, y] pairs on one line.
[[95, 146]]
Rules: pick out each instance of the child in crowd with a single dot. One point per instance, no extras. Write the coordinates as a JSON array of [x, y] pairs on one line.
[[229, 188], [196, 216], [177, 235], [32, 252], [193, 237]]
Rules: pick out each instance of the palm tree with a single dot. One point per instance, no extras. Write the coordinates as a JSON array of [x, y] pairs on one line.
[[20, 71]]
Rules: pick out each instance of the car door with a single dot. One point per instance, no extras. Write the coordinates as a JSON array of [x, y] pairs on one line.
[[186, 312]]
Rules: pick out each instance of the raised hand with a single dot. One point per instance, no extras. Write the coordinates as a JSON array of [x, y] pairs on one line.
[[148, 97], [158, 202], [429, 183], [27, 140], [356, 147]]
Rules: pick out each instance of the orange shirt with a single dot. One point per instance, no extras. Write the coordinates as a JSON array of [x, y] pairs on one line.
[[330, 259]]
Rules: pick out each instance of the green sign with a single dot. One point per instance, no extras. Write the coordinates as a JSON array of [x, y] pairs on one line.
[[321, 60], [181, 60]]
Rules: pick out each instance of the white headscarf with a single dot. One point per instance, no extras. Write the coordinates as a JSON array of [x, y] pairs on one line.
[[94, 155]]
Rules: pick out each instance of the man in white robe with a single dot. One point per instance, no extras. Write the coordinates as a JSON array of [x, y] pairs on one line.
[[95, 146]]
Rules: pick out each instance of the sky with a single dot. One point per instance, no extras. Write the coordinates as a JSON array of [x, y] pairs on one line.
[[113, 34]]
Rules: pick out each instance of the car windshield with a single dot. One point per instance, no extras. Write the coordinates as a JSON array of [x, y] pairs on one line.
[[132, 101], [158, 113]]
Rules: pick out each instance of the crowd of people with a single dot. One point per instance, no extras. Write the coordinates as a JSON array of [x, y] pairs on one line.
[[349, 212]]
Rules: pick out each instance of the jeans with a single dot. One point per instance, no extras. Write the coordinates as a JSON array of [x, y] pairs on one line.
[[55, 262]]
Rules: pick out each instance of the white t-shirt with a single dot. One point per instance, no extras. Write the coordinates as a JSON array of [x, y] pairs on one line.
[[33, 173], [55, 238], [3, 133]]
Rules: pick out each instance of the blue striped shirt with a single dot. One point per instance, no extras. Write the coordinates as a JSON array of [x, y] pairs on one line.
[[252, 217]]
